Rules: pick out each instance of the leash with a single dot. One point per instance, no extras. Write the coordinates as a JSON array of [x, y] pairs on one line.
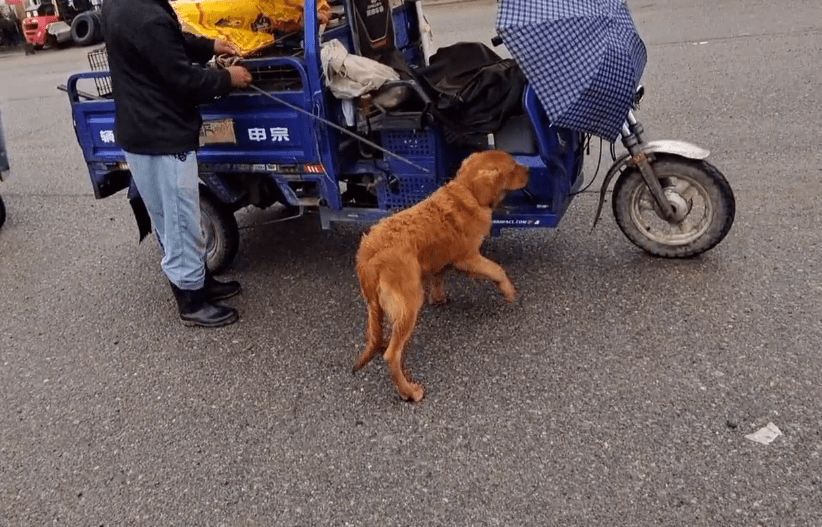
[[337, 127], [224, 61]]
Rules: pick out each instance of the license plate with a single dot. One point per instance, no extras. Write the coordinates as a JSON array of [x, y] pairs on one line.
[[218, 132]]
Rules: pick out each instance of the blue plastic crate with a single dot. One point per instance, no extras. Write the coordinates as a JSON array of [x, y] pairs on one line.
[[422, 147]]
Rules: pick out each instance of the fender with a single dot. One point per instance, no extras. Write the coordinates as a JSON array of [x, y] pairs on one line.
[[664, 146]]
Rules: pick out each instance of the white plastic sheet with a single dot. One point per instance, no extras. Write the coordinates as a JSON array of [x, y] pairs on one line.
[[349, 76]]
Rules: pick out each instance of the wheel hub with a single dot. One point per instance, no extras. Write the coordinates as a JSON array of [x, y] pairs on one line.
[[680, 206]]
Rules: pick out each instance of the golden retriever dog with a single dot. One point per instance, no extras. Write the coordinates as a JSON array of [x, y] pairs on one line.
[[407, 253]]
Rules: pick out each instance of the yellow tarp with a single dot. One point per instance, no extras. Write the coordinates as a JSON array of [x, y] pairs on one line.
[[249, 24]]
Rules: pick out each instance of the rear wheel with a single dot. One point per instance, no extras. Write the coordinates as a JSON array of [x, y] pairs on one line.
[[220, 230], [702, 199], [2, 212]]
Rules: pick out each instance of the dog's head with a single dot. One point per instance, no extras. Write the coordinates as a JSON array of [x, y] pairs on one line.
[[491, 174]]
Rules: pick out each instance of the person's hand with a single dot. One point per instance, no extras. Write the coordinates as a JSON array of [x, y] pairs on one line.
[[224, 47], [240, 77]]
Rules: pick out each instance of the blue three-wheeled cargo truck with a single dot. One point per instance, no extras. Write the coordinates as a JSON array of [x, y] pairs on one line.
[[288, 140]]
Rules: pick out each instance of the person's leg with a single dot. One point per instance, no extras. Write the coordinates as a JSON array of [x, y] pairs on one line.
[[146, 177], [184, 260], [169, 186]]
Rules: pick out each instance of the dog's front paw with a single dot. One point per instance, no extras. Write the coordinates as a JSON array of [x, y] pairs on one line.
[[438, 300], [435, 291]]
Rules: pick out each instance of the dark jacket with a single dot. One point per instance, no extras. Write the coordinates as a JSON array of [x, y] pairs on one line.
[[157, 77]]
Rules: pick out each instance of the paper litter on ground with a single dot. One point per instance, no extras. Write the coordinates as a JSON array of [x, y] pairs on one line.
[[765, 435]]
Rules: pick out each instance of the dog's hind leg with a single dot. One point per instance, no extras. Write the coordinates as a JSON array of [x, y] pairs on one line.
[[402, 300], [374, 344]]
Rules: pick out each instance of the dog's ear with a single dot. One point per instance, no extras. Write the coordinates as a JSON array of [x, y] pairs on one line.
[[487, 185], [512, 176]]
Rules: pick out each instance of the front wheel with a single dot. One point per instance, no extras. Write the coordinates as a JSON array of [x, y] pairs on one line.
[[220, 230], [2, 212], [702, 199]]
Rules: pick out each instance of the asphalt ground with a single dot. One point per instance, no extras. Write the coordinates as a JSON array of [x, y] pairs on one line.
[[618, 389]]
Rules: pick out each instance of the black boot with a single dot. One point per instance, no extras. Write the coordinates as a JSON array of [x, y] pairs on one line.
[[216, 290], [197, 310]]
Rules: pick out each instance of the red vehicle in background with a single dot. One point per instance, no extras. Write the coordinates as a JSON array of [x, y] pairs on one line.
[[55, 22]]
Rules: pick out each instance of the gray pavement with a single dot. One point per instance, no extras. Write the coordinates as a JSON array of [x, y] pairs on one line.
[[618, 390]]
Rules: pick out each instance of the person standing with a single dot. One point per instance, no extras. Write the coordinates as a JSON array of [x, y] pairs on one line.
[[159, 77]]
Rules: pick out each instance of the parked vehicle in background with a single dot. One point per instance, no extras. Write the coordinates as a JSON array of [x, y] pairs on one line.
[[11, 16], [54, 22], [4, 170]]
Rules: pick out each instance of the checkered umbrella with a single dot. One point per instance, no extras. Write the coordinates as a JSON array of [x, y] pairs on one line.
[[584, 59]]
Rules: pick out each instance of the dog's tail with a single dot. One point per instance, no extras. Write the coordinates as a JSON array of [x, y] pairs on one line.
[[369, 277]]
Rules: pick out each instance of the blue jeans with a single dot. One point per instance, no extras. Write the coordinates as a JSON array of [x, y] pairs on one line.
[[169, 186]]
